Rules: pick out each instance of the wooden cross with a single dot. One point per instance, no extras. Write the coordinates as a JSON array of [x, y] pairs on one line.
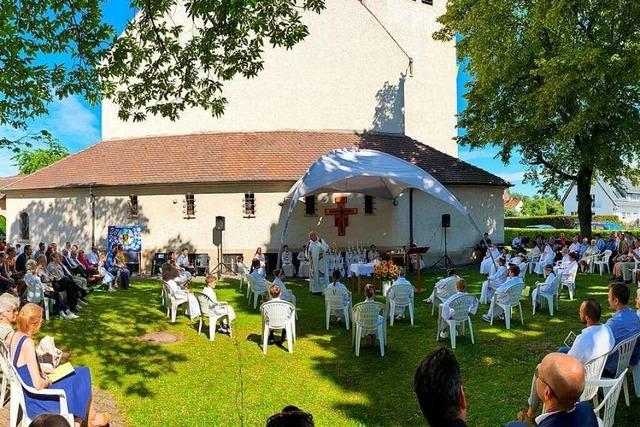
[[341, 214]]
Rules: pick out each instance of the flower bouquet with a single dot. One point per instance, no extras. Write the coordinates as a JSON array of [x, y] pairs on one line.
[[386, 271]]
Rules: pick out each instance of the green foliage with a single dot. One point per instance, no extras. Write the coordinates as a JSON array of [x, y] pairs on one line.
[[3, 227], [557, 82], [34, 159], [155, 67], [322, 375], [557, 221], [533, 233], [532, 206], [510, 212]]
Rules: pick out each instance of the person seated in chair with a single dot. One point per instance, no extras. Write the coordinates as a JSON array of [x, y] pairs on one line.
[[72, 265], [448, 312], [257, 270], [42, 249], [7, 283], [183, 262], [60, 281], [441, 286], [117, 267], [286, 294], [501, 293], [171, 271], [274, 294], [336, 284], [400, 282], [9, 306], [623, 324], [37, 290], [287, 262], [494, 281], [545, 287], [559, 382], [220, 308], [21, 260]]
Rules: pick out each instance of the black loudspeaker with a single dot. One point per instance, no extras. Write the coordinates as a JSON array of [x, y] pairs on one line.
[[446, 220], [220, 223], [217, 237]]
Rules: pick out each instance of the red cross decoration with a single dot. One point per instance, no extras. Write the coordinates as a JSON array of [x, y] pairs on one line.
[[341, 214]]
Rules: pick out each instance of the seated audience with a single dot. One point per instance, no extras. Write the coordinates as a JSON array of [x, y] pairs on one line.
[[624, 263], [42, 249], [447, 312], [501, 293], [260, 257], [7, 283], [623, 324], [285, 293], [274, 294], [89, 268], [37, 290], [494, 281], [400, 283], [594, 341], [587, 256], [569, 270], [51, 249], [55, 275], [183, 262], [442, 287], [72, 265], [240, 267], [490, 257], [21, 260], [171, 271], [93, 257], [9, 306], [369, 294], [575, 245], [335, 284], [558, 384], [257, 269], [220, 308], [77, 385], [438, 387], [545, 288], [291, 416], [117, 268], [546, 257]]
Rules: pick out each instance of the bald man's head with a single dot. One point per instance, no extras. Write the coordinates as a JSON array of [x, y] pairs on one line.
[[564, 375]]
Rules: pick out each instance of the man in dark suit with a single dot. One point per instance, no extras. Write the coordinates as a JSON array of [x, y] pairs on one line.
[[438, 386], [559, 384], [21, 261]]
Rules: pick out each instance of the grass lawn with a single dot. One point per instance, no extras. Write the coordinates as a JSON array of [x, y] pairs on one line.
[[195, 382]]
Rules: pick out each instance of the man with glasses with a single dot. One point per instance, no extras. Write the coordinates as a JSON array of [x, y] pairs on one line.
[[558, 384]]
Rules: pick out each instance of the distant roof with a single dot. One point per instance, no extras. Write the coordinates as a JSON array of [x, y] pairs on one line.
[[5, 181], [235, 157], [512, 203]]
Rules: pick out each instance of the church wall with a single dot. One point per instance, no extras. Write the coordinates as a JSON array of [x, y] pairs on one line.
[[63, 215], [348, 74]]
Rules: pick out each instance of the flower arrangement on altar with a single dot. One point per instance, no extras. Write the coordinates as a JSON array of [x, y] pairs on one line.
[[386, 271]]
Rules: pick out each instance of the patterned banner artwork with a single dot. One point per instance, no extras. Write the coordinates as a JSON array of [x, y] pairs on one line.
[[130, 237]]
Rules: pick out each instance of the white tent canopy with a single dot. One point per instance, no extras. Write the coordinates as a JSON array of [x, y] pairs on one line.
[[368, 172]]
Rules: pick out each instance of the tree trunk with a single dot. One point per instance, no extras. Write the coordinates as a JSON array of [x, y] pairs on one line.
[[585, 213]]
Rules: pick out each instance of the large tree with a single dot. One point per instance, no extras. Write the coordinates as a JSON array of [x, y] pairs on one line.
[[56, 48], [33, 159], [555, 81]]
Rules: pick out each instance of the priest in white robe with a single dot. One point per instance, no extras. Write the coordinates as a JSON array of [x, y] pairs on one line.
[[317, 249], [287, 262], [492, 254]]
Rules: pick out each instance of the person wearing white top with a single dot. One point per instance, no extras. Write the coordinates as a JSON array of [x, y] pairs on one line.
[[594, 341], [501, 297], [303, 267], [373, 254], [287, 262], [546, 257], [183, 262], [257, 274], [274, 293], [220, 308], [443, 287], [575, 246], [94, 256], [285, 293], [494, 281], [448, 312], [546, 287], [317, 250], [492, 254], [336, 284], [570, 270], [401, 281], [260, 257]]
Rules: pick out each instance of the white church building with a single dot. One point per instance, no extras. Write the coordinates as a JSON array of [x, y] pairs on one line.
[[349, 84]]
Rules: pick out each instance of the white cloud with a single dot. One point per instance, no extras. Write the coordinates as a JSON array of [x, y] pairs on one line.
[[6, 168], [512, 177], [476, 154]]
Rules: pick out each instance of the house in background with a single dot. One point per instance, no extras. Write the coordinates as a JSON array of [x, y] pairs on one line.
[[512, 202], [4, 181], [608, 200]]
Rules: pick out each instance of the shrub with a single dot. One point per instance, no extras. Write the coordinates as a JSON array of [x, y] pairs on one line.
[[557, 221], [532, 233], [3, 226]]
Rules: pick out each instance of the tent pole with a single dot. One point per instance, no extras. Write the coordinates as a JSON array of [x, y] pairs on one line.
[[411, 215]]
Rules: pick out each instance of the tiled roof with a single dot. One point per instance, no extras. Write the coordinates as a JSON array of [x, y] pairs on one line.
[[232, 157], [5, 181], [512, 203]]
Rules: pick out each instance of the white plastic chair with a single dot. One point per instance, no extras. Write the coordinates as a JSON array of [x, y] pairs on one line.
[[569, 283], [611, 388], [17, 395], [4, 356], [334, 300], [533, 262], [242, 276], [278, 315], [461, 305], [635, 373], [174, 299], [365, 320], [625, 350], [593, 371], [402, 297], [257, 289], [207, 310], [512, 298], [445, 293], [549, 296], [603, 262], [523, 270]]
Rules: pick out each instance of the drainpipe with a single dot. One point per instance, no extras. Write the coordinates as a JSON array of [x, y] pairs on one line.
[[92, 198]]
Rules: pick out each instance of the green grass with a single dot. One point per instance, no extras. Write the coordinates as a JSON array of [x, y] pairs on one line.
[[195, 382]]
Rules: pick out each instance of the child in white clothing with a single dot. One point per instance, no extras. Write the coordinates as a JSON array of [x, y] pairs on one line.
[[220, 308], [285, 294]]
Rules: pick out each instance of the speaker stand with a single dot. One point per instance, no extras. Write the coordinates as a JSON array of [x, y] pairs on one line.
[[217, 270], [448, 263]]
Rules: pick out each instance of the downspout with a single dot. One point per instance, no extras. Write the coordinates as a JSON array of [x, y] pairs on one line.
[[92, 197]]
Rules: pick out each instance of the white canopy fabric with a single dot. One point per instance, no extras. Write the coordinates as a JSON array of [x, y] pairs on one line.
[[369, 172]]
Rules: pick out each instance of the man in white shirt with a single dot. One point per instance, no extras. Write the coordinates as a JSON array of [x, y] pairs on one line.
[[94, 256], [287, 262], [494, 281], [373, 254], [183, 262], [492, 254], [575, 246], [594, 341], [401, 282], [337, 285], [447, 312], [443, 287], [501, 293]]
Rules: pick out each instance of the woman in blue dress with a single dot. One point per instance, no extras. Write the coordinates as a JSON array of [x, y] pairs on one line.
[[77, 386]]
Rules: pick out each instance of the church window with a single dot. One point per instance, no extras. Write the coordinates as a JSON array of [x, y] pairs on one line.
[[310, 208], [369, 205], [133, 206], [189, 206], [429, 2], [24, 226], [249, 208]]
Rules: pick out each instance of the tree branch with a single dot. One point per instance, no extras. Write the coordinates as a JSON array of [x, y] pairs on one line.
[[540, 160]]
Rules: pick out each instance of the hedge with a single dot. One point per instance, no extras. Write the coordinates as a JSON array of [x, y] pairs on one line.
[[3, 226], [557, 221], [532, 233]]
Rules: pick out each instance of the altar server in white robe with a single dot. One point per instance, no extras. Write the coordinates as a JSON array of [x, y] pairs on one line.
[[285, 293], [317, 249], [546, 287], [336, 284], [373, 254], [546, 257], [260, 256], [220, 308], [443, 287], [492, 254], [512, 280], [448, 312], [287, 262], [303, 267], [400, 282], [494, 281]]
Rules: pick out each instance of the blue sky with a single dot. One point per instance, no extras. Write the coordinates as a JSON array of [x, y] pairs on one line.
[[77, 124]]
